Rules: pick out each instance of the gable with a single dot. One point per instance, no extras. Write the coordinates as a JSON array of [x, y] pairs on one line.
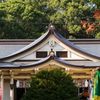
[[57, 46], [51, 40]]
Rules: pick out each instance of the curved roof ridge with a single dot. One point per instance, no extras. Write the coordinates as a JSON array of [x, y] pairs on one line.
[[51, 30], [56, 59], [44, 60], [37, 62], [73, 46], [28, 46], [31, 44], [68, 63]]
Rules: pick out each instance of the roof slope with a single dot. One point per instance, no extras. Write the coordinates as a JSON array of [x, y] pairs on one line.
[[14, 45], [42, 61], [13, 65], [91, 45], [51, 30], [73, 46]]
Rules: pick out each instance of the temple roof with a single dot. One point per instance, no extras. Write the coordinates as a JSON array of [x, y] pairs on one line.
[[73, 46], [14, 45], [51, 30], [14, 65]]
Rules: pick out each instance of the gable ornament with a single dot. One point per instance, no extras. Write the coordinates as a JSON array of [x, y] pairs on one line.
[[51, 44]]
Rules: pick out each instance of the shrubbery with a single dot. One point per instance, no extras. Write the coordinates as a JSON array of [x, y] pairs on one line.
[[51, 85]]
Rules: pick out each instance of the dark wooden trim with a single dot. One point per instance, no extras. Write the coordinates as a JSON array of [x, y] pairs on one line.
[[77, 60], [16, 41], [24, 60], [85, 41], [91, 67], [10, 67], [26, 41]]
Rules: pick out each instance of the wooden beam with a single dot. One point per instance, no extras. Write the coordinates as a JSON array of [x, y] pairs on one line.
[[6, 77], [22, 77], [85, 77]]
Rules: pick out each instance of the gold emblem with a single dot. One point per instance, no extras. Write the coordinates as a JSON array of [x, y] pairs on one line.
[[51, 53], [51, 26]]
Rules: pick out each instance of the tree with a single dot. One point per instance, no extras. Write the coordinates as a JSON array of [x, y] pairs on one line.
[[28, 16], [2, 1], [96, 2], [93, 27], [51, 85], [21, 15], [71, 12]]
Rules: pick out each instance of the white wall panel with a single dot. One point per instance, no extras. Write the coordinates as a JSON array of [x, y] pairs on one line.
[[72, 55]]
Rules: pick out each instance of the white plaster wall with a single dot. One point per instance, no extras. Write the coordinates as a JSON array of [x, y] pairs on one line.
[[72, 55], [6, 89], [57, 46], [29, 57], [48, 48], [45, 47]]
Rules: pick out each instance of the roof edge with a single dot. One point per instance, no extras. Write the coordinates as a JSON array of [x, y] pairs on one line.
[[30, 46], [73, 46]]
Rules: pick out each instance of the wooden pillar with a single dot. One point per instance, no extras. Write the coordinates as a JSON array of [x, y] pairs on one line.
[[11, 87], [2, 87]]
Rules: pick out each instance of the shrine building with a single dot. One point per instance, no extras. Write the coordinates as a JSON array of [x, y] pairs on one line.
[[22, 58]]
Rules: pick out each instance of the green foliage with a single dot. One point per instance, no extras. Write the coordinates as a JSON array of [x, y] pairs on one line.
[[71, 37], [97, 36], [2, 1], [97, 3], [51, 85], [21, 15], [74, 28], [71, 12], [28, 15]]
